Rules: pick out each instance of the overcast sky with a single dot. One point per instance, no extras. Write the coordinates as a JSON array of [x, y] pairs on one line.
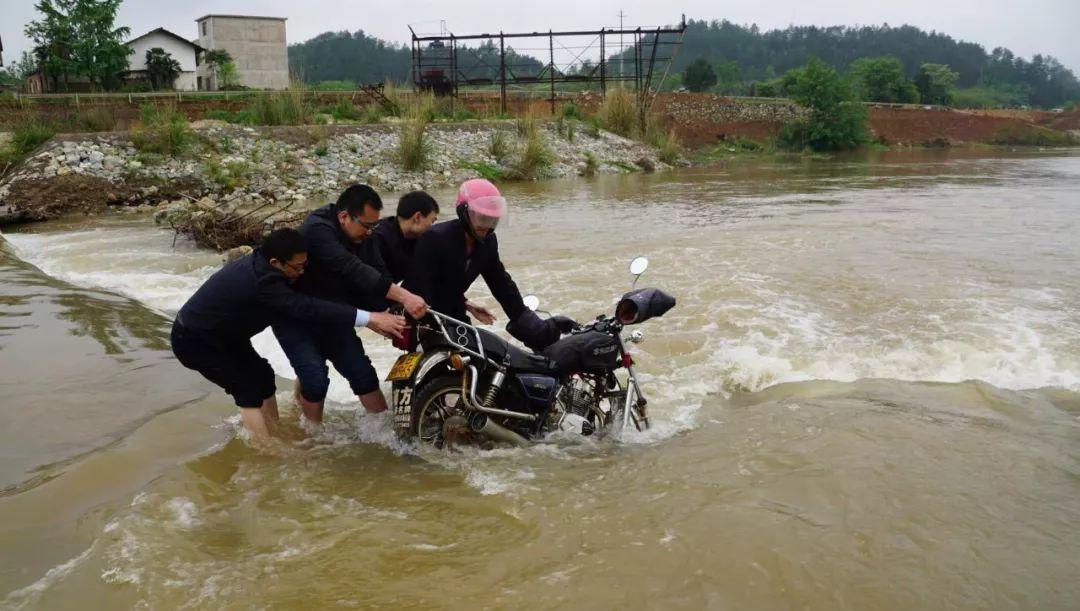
[[1025, 26]]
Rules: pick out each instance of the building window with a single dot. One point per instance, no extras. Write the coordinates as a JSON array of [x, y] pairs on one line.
[[203, 28]]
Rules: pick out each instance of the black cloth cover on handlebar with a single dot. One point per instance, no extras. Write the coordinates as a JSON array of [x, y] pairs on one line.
[[538, 333], [643, 304]]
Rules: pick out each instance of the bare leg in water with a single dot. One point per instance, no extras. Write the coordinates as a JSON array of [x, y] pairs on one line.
[[374, 402], [261, 423]]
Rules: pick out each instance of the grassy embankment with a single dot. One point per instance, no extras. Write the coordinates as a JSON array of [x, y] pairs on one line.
[[163, 130]]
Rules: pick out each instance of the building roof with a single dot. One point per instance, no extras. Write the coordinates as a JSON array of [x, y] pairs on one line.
[[167, 33], [240, 17]]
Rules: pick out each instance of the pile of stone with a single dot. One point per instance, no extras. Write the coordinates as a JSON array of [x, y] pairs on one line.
[[243, 168]]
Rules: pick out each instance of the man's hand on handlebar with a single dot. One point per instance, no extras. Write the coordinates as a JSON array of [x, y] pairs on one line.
[[387, 324]]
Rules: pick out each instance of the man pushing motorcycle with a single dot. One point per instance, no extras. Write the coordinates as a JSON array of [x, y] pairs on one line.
[[452, 255]]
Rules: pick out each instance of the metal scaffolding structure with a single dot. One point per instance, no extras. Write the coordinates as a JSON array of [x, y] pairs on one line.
[[444, 63]]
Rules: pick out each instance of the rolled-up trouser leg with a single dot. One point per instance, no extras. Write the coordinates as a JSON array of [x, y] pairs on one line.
[[345, 350], [307, 360]]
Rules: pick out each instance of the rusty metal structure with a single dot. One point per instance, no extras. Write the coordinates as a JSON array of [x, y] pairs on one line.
[[444, 63]]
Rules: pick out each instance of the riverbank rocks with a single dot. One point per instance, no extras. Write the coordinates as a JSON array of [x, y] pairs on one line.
[[244, 166]]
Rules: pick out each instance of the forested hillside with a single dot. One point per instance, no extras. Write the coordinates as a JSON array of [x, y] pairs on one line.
[[744, 56]]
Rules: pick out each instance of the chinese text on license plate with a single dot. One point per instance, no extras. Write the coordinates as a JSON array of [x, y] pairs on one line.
[[404, 367]]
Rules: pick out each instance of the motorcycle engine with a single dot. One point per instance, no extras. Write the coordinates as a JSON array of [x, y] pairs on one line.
[[577, 399]]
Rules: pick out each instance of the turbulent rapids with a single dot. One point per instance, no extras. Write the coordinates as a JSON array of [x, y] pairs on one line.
[[867, 397]]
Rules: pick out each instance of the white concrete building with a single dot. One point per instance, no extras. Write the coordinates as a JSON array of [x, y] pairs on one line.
[[181, 49], [257, 46]]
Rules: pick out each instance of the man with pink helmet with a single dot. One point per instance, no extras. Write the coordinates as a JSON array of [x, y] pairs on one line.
[[450, 256]]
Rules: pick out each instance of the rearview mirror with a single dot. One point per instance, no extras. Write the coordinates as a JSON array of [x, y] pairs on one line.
[[639, 265], [532, 302]]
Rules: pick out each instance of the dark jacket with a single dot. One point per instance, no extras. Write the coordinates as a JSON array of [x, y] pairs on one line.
[[244, 297], [439, 275], [335, 270], [388, 250]]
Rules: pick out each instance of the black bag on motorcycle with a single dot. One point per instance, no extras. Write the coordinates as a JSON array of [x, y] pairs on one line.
[[591, 351], [643, 304]]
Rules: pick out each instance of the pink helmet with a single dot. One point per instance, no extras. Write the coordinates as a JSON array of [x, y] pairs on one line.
[[482, 197]]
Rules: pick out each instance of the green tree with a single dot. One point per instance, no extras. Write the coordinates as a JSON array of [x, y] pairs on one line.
[[54, 40], [23, 67], [935, 83], [79, 37], [161, 68], [728, 76], [837, 120], [882, 79], [99, 50], [699, 75], [221, 64]]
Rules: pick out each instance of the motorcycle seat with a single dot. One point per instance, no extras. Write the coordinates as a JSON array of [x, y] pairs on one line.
[[517, 359]]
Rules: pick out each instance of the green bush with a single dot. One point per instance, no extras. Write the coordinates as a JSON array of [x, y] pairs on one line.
[[486, 170], [322, 150], [592, 127], [95, 119], [165, 131], [232, 175], [988, 97], [373, 113], [499, 148], [535, 156], [618, 113], [281, 108], [1032, 135], [334, 86], [344, 111], [414, 149], [239, 117], [591, 164], [1069, 107], [883, 79], [571, 111], [28, 133], [667, 145], [837, 121]]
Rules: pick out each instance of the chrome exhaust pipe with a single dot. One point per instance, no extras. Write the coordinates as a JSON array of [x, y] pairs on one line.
[[480, 423]]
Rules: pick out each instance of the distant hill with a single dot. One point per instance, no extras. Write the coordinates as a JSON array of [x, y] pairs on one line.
[[744, 54]]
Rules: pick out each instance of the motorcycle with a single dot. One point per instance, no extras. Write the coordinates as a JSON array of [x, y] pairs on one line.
[[467, 385]]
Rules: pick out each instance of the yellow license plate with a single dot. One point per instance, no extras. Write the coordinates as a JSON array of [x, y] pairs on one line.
[[404, 367]]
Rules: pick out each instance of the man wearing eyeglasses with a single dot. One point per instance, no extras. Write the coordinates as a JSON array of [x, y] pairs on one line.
[[213, 330], [336, 272]]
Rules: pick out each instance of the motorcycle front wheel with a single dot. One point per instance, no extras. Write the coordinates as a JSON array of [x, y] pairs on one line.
[[433, 403]]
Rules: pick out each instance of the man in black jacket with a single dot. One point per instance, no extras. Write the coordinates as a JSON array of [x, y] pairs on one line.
[[337, 273], [450, 256], [213, 330], [392, 244]]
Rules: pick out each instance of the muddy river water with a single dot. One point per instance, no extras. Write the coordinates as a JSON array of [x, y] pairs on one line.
[[868, 397]]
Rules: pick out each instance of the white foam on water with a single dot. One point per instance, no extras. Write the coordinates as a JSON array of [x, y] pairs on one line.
[[741, 325], [28, 596]]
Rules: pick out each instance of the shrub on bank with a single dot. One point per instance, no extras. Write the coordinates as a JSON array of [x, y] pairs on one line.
[[1017, 135], [618, 113], [667, 145], [499, 148], [28, 133], [536, 157], [282, 108], [165, 131], [837, 120], [413, 146]]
